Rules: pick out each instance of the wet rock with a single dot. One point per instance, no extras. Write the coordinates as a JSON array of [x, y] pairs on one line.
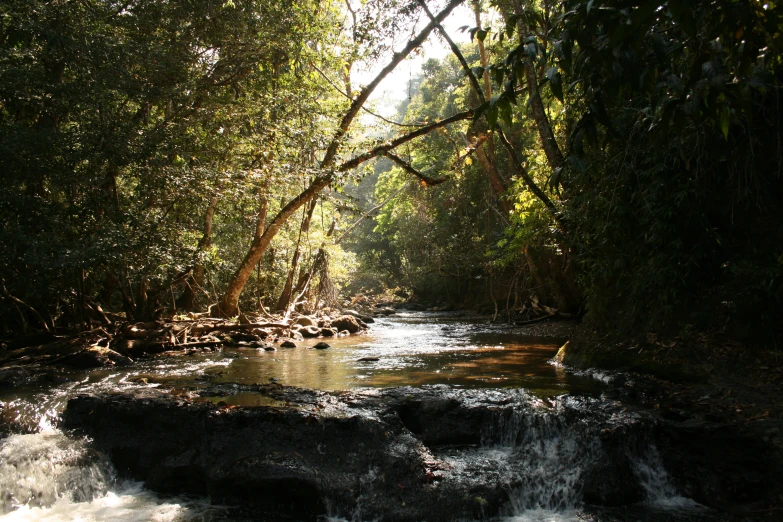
[[347, 322], [310, 332], [240, 337], [385, 311], [321, 346], [281, 463], [360, 316], [287, 344], [328, 332], [405, 454], [723, 466], [14, 376], [95, 357], [368, 359], [270, 348], [261, 333], [305, 321], [296, 336]]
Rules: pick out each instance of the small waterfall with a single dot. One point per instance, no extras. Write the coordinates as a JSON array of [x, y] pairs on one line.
[[658, 488], [556, 455], [36, 470], [549, 458]]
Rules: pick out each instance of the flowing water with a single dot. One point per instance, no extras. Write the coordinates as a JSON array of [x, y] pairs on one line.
[[48, 475]]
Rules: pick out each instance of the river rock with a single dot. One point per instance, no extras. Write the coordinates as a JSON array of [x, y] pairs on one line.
[[346, 322], [261, 333], [95, 357], [305, 321], [385, 311], [287, 344], [310, 331], [361, 317], [321, 346], [328, 332]]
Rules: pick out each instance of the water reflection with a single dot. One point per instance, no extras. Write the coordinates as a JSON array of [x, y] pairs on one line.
[[413, 349]]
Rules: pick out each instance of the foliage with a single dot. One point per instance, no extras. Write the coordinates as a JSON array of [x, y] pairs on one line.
[[121, 120]]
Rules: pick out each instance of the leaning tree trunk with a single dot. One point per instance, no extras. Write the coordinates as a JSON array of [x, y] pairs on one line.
[[187, 300], [304, 229], [229, 303]]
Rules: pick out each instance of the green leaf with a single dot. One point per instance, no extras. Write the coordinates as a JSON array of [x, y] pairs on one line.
[[725, 119], [505, 110], [481, 34], [492, 116], [556, 82]]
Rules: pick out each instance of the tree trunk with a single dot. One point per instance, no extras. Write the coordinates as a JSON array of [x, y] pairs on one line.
[[304, 229], [553, 154], [187, 300], [487, 84]]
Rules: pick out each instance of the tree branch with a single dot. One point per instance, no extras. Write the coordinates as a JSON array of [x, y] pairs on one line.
[[365, 109], [410, 170], [454, 49], [363, 96], [369, 213], [396, 142]]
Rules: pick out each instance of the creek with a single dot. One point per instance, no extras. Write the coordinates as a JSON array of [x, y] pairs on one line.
[[512, 436]]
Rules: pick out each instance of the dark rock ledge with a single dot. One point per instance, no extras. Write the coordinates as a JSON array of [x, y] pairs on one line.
[[399, 454]]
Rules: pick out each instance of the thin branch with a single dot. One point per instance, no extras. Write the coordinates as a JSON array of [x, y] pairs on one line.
[[535, 189], [396, 142], [359, 101], [470, 149], [365, 109], [427, 181], [369, 213], [18, 301], [454, 49]]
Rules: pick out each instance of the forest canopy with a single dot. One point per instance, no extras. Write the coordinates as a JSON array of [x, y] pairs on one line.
[[619, 158]]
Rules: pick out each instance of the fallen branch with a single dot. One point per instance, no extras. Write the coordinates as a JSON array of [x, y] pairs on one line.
[[531, 321], [25, 305]]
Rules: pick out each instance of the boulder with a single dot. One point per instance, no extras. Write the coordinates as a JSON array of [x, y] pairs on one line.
[[361, 317], [261, 333], [347, 322], [321, 346], [310, 331], [288, 344], [305, 321], [328, 332]]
